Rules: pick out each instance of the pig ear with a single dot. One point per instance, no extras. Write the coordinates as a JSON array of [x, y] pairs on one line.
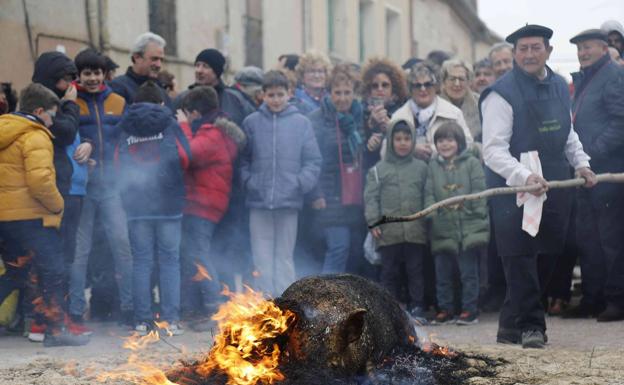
[[352, 327]]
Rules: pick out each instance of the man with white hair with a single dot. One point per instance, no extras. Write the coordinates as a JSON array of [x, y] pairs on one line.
[[148, 54], [502, 58]]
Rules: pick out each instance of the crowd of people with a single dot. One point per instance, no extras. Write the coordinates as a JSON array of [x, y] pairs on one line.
[[279, 175]]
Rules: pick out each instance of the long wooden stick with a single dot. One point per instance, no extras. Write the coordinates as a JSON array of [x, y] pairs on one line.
[[568, 183]]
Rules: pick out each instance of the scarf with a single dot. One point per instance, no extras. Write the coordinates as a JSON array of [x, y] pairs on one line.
[[349, 123]]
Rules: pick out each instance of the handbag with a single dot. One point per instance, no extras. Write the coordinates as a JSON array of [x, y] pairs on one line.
[[351, 183]]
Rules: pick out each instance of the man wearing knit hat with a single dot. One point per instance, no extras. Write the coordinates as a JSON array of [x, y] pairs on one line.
[[209, 66], [615, 35]]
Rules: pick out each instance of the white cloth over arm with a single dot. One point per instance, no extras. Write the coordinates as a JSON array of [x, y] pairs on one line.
[[497, 132]]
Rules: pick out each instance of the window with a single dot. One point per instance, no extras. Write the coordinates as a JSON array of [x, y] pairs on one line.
[[162, 21], [366, 29], [393, 35]]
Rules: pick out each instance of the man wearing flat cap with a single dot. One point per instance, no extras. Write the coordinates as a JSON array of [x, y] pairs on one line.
[[598, 118], [526, 122]]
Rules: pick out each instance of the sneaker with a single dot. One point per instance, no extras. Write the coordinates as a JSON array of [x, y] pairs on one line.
[[171, 329], [557, 306], [533, 339], [611, 313], [143, 328], [418, 314], [37, 332], [64, 337], [468, 318], [443, 318]]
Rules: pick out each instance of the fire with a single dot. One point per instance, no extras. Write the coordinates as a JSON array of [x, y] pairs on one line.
[[245, 347], [51, 312], [21, 261], [202, 274]]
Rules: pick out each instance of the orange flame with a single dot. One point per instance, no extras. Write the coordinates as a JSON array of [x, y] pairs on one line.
[[202, 274], [51, 312], [438, 351], [244, 349]]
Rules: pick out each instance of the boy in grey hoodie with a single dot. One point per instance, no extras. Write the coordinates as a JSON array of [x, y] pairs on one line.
[[281, 163]]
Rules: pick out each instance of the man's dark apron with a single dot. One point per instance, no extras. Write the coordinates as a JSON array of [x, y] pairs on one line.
[[546, 128]]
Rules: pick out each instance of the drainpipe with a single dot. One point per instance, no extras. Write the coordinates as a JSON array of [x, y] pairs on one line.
[[104, 36], [91, 20]]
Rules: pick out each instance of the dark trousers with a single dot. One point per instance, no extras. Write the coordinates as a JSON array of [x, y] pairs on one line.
[[404, 259], [69, 227], [496, 275], [526, 276], [600, 234], [560, 283], [46, 245]]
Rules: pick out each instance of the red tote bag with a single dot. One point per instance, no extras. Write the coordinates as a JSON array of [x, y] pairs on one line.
[[351, 182]]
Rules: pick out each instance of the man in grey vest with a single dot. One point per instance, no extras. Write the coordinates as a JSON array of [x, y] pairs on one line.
[[526, 110], [598, 117]]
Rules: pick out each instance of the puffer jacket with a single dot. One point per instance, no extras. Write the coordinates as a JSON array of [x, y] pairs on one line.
[[282, 161], [208, 180], [99, 115], [126, 86], [395, 186], [463, 226], [27, 175], [151, 157]]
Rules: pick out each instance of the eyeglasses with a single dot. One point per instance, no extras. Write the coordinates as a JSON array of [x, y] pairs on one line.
[[420, 86], [382, 85], [454, 79]]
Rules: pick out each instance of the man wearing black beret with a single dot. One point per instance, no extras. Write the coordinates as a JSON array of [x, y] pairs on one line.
[[526, 111], [598, 117]]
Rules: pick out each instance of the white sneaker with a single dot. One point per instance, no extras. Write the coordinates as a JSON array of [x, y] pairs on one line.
[[143, 328]]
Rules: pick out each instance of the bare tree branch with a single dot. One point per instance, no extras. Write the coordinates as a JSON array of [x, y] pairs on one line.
[[577, 182]]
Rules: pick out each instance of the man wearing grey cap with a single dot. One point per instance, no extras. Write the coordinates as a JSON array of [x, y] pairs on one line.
[[528, 110], [598, 118]]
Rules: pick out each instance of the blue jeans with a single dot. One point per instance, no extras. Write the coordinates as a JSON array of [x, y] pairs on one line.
[[150, 238], [338, 239], [47, 247], [195, 250], [468, 263], [114, 218]]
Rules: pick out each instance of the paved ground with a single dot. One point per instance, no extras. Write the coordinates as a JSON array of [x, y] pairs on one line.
[[581, 352]]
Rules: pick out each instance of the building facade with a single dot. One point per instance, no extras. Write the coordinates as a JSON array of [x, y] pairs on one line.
[[250, 32]]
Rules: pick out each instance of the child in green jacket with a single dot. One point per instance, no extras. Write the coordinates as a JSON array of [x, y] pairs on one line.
[[395, 186], [459, 231]]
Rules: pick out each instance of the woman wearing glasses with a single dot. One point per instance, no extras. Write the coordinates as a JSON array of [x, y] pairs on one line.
[[312, 71], [428, 111], [385, 90], [456, 79]]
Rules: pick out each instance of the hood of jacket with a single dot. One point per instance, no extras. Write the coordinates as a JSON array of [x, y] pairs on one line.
[[232, 130], [462, 156], [50, 67], [12, 126], [391, 155], [146, 119]]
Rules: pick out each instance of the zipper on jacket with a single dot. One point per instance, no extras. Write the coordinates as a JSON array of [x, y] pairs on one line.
[[274, 160], [100, 136]]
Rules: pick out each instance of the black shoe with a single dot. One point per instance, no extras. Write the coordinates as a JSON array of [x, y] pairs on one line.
[[611, 313], [533, 339], [63, 337], [580, 311], [508, 336]]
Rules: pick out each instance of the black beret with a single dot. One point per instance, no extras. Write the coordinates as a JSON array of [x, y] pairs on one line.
[[530, 30], [589, 34]]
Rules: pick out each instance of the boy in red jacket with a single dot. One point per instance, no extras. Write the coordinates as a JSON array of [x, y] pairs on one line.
[[215, 142]]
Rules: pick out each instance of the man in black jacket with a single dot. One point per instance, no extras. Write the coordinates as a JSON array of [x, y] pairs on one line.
[[148, 54], [209, 66], [598, 117]]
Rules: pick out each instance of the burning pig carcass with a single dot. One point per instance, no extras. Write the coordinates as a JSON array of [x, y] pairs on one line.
[[334, 329]]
